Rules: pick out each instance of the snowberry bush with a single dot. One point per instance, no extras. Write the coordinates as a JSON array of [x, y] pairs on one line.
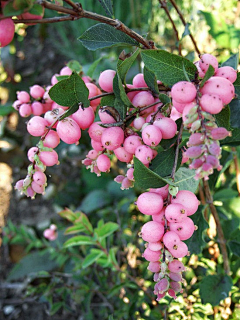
[[141, 124]]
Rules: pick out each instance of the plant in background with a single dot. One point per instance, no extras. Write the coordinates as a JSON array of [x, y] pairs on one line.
[[142, 125]]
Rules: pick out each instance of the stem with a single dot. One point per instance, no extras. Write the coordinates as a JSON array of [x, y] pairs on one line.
[[184, 23], [222, 241], [179, 139], [79, 13], [45, 20], [165, 8]]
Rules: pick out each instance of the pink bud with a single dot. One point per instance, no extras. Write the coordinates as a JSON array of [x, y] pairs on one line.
[[220, 133]]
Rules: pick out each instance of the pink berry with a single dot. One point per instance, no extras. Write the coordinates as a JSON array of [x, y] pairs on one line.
[[206, 60], [51, 140], [106, 80], [7, 29], [183, 92], [131, 143], [221, 87], [175, 212], [23, 96], [144, 154], [154, 266], [103, 163], [176, 266], [188, 200], [227, 72], [150, 203], [68, 131], [31, 153], [220, 133], [151, 135], [37, 126], [139, 82], [184, 229], [138, 122], [37, 108], [112, 138], [84, 117], [211, 103], [150, 255], [65, 71], [95, 131], [152, 231], [37, 91], [123, 155], [40, 178], [25, 110], [167, 126], [48, 158]]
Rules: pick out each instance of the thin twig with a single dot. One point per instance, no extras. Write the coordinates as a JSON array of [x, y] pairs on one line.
[[222, 241], [184, 23], [179, 139], [165, 8], [235, 159], [45, 20]]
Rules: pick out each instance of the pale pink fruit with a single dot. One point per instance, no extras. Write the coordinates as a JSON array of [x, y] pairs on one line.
[[170, 239], [51, 140], [105, 116], [176, 266], [37, 108], [151, 135], [112, 138], [131, 143], [106, 80], [144, 154], [179, 250], [150, 203], [25, 110], [37, 188], [188, 200], [152, 231], [167, 126], [183, 92], [139, 82], [40, 178], [7, 29], [84, 117], [206, 60], [220, 133], [221, 87], [65, 71], [155, 246], [150, 255], [68, 131], [37, 91], [184, 229], [48, 158], [37, 126], [228, 73], [23, 96], [154, 266], [31, 153], [95, 131], [175, 212], [160, 217], [143, 99], [103, 163], [139, 122], [123, 155], [211, 103]]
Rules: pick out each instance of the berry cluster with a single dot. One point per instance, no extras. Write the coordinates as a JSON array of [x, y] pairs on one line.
[[138, 135], [196, 105], [170, 225]]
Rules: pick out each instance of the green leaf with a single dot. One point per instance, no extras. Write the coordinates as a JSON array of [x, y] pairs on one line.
[[36, 9], [168, 67], [146, 178], [68, 214], [6, 110], [186, 31], [196, 243], [125, 65], [103, 36], [184, 179], [75, 229], [235, 113], [92, 257], [79, 241], [107, 6], [55, 307], [11, 10], [164, 98], [215, 288], [93, 67], [70, 111], [60, 78], [75, 66], [70, 92], [107, 229], [95, 200], [210, 72], [237, 85], [163, 163], [108, 100], [151, 80], [223, 118], [232, 61], [33, 262], [234, 242]]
